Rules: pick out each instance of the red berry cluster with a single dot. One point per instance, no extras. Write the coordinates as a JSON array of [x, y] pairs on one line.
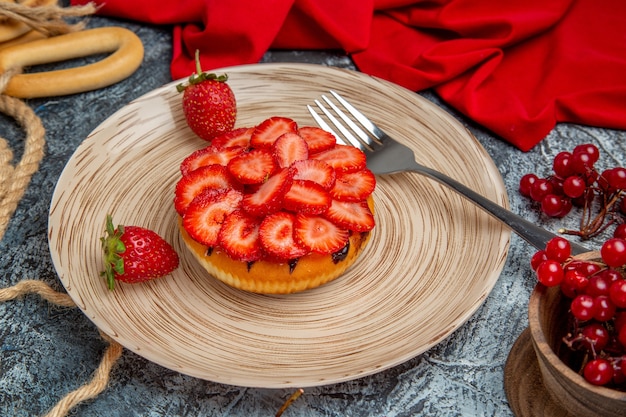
[[597, 313], [575, 181]]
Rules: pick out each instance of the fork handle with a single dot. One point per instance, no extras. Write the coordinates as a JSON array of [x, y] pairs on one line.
[[533, 234]]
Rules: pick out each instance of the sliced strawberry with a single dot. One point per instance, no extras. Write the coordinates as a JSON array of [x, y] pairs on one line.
[[319, 234], [317, 139], [343, 158], [289, 148], [353, 186], [239, 237], [268, 198], [191, 185], [266, 133], [253, 167], [305, 196], [276, 237], [206, 213], [355, 216], [315, 170], [236, 137], [209, 156]]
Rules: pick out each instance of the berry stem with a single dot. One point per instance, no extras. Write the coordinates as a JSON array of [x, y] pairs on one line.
[[198, 66], [591, 227], [199, 76], [289, 401]]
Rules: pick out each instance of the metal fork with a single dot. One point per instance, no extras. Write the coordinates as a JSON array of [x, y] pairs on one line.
[[385, 155]]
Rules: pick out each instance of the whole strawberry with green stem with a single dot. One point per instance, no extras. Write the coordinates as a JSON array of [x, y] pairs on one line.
[[209, 103], [135, 254]]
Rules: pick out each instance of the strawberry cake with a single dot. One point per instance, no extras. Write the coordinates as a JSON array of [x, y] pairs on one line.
[[275, 208]]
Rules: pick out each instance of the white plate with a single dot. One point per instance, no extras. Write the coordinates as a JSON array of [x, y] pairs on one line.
[[432, 260]]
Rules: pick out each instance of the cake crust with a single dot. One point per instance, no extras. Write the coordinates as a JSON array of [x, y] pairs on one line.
[[266, 277]]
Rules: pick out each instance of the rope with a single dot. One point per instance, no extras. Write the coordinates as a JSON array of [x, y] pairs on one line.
[[112, 353], [33, 286], [15, 179], [97, 384], [45, 19]]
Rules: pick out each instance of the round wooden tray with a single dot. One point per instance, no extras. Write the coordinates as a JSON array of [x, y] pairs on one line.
[[523, 383]]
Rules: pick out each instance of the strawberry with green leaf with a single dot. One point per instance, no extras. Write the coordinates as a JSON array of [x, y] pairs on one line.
[[209, 103], [134, 254]]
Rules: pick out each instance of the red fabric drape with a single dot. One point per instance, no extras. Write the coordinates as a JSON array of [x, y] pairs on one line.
[[516, 67]]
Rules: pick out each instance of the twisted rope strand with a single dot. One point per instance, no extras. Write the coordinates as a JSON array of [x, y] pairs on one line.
[[112, 353], [46, 19], [6, 169], [33, 286], [93, 388], [15, 180]]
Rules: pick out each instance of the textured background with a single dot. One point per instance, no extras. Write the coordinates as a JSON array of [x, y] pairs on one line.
[[48, 351]]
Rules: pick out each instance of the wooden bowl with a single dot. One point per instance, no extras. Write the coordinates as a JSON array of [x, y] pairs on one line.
[[547, 318]]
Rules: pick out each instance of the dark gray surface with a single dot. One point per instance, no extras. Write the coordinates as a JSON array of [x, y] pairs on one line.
[[48, 351]]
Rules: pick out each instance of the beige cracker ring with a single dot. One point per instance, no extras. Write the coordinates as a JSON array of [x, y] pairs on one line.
[[33, 35], [126, 57]]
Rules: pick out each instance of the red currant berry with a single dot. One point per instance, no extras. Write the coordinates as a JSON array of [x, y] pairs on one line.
[[588, 268], [557, 185], [603, 308], [526, 183], [574, 186], [537, 259], [554, 205], [575, 280], [558, 249], [582, 307], [581, 163], [620, 231], [539, 189], [596, 335], [567, 207], [613, 252], [561, 164], [572, 266], [590, 149], [611, 275], [550, 273], [598, 285], [603, 180], [617, 293], [617, 179], [598, 372], [567, 290]]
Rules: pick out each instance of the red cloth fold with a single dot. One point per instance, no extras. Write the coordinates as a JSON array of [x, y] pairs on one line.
[[515, 67]]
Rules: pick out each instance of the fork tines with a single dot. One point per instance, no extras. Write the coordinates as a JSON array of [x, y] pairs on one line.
[[346, 126]]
